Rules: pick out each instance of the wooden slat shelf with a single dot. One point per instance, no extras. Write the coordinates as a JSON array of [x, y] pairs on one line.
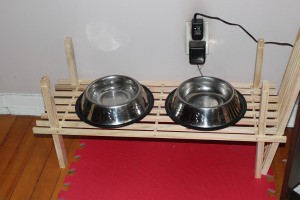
[[267, 114], [157, 121]]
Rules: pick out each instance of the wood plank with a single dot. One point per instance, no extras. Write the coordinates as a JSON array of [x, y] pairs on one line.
[[52, 114], [262, 128], [289, 69], [18, 162], [288, 105], [69, 50], [61, 100], [151, 126], [6, 122], [258, 63], [10, 144], [50, 174], [33, 170], [242, 91], [250, 106], [157, 83], [73, 116], [162, 134], [162, 119]]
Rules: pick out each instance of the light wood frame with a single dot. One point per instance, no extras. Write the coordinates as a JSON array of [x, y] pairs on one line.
[[264, 122]]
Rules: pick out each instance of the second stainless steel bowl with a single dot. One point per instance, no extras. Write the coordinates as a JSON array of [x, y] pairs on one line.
[[205, 103], [114, 101]]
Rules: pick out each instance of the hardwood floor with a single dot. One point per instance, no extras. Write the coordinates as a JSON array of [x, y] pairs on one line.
[[279, 162], [29, 167]]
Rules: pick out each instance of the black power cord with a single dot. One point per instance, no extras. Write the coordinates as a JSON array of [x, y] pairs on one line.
[[232, 24]]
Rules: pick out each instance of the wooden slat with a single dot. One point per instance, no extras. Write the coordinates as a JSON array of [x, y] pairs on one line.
[[146, 126], [291, 87], [149, 118], [263, 108], [158, 83], [151, 134], [256, 99], [258, 63], [52, 114], [242, 91], [73, 116], [63, 108], [262, 128], [287, 96], [289, 71], [69, 49]]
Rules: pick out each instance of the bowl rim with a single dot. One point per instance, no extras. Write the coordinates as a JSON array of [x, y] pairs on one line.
[[243, 104], [177, 93], [83, 118], [117, 105]]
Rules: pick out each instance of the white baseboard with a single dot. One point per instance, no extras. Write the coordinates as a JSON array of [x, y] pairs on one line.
[[33, 104], [21, 104]]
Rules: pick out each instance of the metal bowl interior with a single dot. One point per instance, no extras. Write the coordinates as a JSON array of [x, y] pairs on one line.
[[113, 91], [205, 92]]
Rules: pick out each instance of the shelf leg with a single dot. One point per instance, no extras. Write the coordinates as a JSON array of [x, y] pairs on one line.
[[53, 119], [69, 49], [258, 64], [270, 153], [262, 128], [288, 93]]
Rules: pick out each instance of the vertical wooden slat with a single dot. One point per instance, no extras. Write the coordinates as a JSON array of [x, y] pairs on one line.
[[285, 115], [289, 81], [286, 79], [53, 119], [282, 125], [288, 94], [71, 61], [258, 64], [159, 107], [262, 127], [286, 99]]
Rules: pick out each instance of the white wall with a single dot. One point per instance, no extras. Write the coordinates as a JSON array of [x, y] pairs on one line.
[[142, 39]]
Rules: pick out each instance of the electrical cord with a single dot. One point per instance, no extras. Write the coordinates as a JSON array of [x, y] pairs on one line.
[[200, 68], [232, 24]]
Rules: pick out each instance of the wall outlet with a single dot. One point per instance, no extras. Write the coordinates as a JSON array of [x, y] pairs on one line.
[[188, 28]]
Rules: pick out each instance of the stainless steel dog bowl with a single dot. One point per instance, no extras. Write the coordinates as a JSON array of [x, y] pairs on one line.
[[114, 101], [205, 103]]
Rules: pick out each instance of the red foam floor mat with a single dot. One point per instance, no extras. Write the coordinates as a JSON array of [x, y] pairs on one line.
[[113, 169]]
